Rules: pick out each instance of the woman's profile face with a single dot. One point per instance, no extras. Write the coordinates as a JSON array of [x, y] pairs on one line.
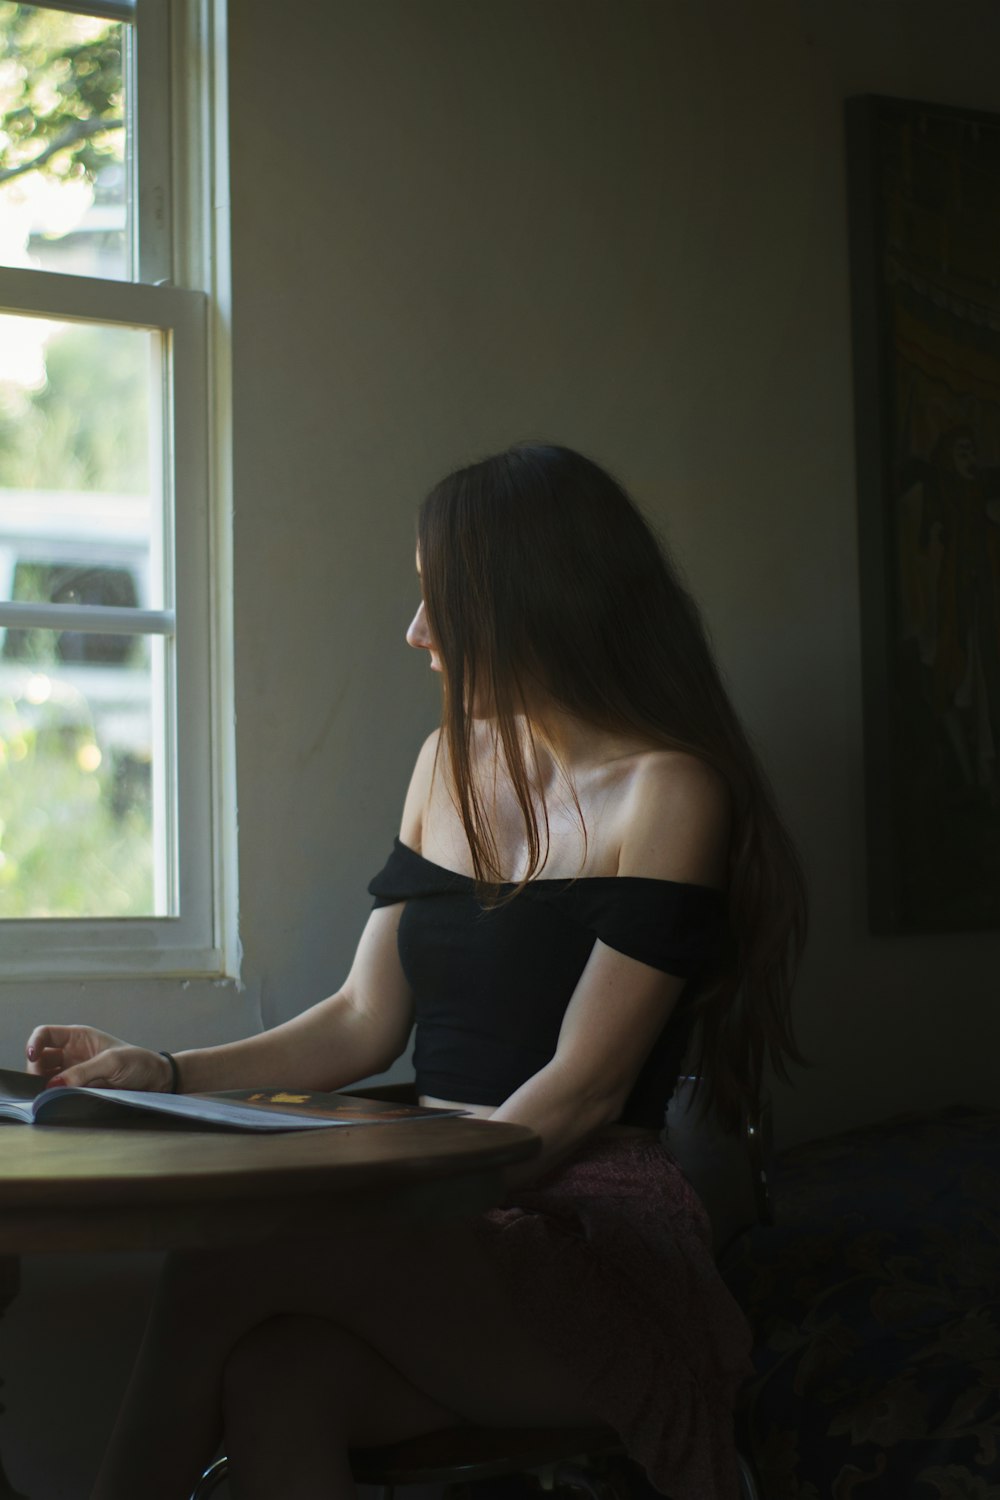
[[421, 637], [419, 633]]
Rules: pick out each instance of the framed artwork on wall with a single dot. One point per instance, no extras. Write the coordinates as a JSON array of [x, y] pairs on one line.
[[924, 204]]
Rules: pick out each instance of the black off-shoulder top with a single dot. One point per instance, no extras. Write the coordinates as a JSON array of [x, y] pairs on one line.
[[491, 985]]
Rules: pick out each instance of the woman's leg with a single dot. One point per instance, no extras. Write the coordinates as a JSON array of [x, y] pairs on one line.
[[442, 1343], [299, 1392]]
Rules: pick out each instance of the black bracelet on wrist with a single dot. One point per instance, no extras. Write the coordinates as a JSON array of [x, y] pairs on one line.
[[175, 1072]]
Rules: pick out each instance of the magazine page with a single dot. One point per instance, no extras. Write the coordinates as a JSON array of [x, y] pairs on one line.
[[72, 1106], [17, 1093], [249, 1109], [346, 1109], [14, 1085], [24, 1097]]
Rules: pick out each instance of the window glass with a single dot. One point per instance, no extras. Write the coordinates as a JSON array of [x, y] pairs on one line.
[[77, 834], [64, 198], [72, 583], [82, 831], [76, 407], [107, 769]]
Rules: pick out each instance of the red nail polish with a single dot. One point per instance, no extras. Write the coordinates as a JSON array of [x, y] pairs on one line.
[[56, 1083]]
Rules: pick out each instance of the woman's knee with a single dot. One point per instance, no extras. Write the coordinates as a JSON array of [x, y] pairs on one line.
[[286, 1355], [310, 1374]]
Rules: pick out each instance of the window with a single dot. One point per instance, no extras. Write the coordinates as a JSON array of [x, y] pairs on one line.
[[108, 829]]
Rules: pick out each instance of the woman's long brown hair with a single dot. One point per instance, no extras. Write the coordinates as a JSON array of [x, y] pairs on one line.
[[538, 570]]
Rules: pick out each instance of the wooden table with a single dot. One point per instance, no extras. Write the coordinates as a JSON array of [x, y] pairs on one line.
[[160, 1188], [156, 1188]]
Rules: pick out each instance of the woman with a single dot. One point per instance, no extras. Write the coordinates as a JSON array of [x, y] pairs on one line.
[[589, 873]]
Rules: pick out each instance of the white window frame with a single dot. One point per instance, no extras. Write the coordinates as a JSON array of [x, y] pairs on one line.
[[177, 65]]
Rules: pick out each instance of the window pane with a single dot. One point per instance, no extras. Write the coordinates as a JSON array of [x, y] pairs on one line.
[[64, 197], [43, 583], [80, 473], [80, 831], [83, 819]]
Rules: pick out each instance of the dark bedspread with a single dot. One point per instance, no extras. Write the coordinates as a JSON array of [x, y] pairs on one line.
[[875, 1301]]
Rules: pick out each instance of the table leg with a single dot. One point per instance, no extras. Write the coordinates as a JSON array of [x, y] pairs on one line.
[[10, 1279]]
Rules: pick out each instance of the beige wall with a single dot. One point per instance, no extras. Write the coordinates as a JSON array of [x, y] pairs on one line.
[[620, 225]]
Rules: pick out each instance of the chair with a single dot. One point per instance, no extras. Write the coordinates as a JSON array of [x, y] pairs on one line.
[[730, 1175]]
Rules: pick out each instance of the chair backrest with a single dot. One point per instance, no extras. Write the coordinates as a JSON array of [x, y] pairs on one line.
[[728, 1171]]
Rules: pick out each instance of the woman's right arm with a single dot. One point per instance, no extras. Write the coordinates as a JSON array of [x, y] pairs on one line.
[[358, 1031]]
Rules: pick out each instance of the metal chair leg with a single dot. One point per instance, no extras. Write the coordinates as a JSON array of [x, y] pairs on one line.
[[586, 1481], [211, 1479], [219, 1472], [748, 1480], [567, 1474]]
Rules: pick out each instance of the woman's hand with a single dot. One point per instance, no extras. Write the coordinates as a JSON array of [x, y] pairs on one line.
[[80, 1056]]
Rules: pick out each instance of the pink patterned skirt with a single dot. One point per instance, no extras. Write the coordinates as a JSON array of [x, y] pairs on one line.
[[611, 1257]]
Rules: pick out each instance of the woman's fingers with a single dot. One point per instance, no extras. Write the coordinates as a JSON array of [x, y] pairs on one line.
[[119, 1067], [83, 1057], [102, 1071], [46, 1039], [50, 1047], [49, 1060]]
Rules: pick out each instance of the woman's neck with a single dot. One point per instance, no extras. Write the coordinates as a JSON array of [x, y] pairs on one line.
[[565, 748]]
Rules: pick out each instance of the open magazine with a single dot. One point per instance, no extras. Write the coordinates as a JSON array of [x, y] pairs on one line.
[[25, 1099]]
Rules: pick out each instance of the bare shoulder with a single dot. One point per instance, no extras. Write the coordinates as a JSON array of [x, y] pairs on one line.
[[676, 819], [418, 795]]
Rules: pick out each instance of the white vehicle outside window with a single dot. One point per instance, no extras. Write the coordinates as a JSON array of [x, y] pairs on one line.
[[108, 845]]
